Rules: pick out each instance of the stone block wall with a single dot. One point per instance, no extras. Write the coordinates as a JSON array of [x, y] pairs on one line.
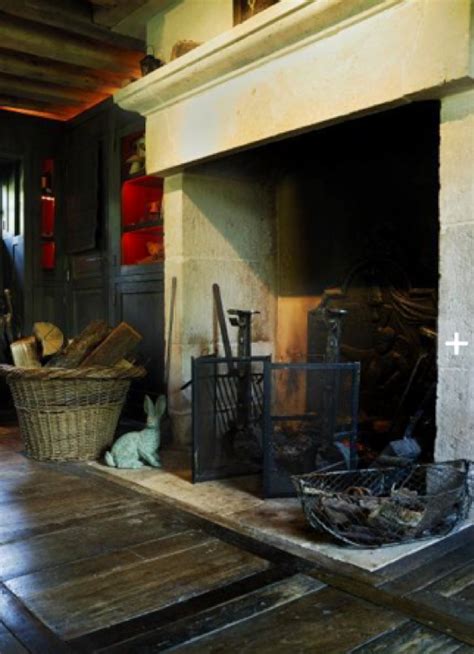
[[455, 405], [218, 229]]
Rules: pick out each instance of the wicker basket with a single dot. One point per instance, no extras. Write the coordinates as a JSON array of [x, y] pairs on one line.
[[68, 415]]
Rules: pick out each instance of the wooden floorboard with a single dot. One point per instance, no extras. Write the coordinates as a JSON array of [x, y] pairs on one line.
[[90, 566], [410, 638], [433, 569], [220, 616], [10, 533], [98, 535], [451, 616], [327, 619], [434, 552], [8, 643], [456, 582], [110, 597], [26, 628], [157, 621], [56, 506]]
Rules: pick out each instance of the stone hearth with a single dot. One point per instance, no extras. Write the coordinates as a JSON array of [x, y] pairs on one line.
[[237, 504], [297, 67]]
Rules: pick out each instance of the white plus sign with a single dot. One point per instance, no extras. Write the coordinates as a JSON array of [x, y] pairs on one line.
[[456, 343]]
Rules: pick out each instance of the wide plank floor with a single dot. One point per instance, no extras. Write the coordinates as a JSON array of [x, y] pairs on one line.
[[87, 565]]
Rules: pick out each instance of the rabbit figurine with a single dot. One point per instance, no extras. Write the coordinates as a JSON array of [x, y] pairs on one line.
[[134, 449]]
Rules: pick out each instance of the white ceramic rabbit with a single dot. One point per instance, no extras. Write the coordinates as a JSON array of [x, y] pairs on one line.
[[135, 448]]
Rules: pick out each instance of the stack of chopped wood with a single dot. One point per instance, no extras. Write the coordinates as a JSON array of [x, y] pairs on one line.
[[97, 345]]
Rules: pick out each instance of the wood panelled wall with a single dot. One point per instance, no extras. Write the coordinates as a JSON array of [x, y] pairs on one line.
[[88, 281], [28, 140]]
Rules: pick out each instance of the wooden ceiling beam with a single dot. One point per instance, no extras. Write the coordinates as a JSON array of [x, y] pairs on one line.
[[37, 91], [33, 106], [104, 3], [54, 44], [43, 70], [74, 16], [110, 15]]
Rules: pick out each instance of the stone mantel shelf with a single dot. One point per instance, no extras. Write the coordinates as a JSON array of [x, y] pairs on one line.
[[298, 66], [288, 24]]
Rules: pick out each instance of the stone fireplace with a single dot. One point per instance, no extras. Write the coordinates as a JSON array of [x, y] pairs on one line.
[[298, 143]]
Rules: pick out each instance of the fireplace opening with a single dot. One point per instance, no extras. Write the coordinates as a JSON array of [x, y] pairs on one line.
[[357, 229], [342, 219]]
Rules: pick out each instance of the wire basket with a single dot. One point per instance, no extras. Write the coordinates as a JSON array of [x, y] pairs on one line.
[[68, 415], [386, 506]]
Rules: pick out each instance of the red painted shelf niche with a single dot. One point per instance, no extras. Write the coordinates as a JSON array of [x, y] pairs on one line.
[[48, 255], [142, 221], [48, 216]]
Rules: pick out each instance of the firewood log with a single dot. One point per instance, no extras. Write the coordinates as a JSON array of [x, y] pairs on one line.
[[124, 364], [50, 338], [121, 341], [25, 353], [78, 349]]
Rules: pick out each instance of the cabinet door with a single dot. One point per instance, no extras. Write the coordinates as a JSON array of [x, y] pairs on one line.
[[88, 305], [50, 304], [141, 304], [82, 206], [87, 290]]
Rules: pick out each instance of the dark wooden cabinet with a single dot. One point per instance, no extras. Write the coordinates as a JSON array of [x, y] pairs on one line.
[[106, 233], [88, 154], [139, 301], [137, 257], [88, 293]]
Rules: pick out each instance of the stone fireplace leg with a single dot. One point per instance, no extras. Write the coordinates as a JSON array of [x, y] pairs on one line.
[[455, 405], [219, 228]]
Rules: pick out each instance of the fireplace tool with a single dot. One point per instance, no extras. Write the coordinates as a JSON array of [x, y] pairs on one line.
[[245, 435], [406, 450], [239, 393], [333, 318], [243, 430], [216, 291]]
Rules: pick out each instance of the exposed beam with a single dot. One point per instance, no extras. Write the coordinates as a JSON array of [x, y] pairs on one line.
[[31, 106], [109, 16], [43, 70], [72, 15], [104, 3], [37, 91], [54, 44]]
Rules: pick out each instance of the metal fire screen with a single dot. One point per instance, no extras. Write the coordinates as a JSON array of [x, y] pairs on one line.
[[290, 418], [310, 421], [227, 416]]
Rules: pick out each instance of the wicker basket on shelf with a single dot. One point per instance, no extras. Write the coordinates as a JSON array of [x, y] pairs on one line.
[[68, 414]]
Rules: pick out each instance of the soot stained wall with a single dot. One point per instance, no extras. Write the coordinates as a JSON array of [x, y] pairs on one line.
[[366, 188], [370, 183]]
